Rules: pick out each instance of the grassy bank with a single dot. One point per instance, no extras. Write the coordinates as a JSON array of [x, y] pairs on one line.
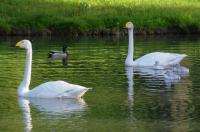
[[98, 16]]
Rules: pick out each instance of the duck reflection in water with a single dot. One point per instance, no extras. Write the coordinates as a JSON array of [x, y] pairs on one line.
[[61, 108], [59, 55]]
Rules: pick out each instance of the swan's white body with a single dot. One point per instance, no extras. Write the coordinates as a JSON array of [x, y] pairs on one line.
[[163, 59], [58, 89], [157, 60], [52, 89]]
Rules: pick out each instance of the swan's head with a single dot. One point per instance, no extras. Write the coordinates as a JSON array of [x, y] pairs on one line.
[[129, 25], [26, 44]]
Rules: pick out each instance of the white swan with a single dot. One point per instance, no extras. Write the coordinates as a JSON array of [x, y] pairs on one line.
[[52, 89], [157, 60]]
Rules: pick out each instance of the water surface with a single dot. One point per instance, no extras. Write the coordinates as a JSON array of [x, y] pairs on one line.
[[122, 99]]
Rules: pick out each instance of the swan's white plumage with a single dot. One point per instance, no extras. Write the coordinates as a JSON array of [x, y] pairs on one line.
[[57, 89], [164, 59], [52, 89], [160, 60]]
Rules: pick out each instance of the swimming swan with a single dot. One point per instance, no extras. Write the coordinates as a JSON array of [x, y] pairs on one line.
[[52, 89], [157, 60]]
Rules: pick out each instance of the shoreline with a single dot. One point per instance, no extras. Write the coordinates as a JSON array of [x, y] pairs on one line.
[[107, 32]]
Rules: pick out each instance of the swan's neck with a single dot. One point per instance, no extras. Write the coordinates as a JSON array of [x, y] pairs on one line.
[[24, 86], [129, 58]]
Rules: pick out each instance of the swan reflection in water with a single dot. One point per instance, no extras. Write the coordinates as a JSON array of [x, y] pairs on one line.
[[130, 77], [50, 107], [167, 77], [24, 105], [154, 77]]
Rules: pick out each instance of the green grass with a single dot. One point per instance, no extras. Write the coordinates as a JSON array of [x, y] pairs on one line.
[[98, 16]]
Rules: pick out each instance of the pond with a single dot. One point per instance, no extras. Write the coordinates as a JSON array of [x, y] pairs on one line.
[[121, 99]]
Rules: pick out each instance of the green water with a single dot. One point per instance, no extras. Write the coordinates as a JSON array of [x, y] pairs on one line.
[[119, 101]]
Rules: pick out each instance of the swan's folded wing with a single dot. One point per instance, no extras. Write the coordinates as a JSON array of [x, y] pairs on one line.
[[175, 58], [54, 89], [164, 59]]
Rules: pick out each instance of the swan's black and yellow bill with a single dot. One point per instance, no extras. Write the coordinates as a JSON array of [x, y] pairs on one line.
[[126, 26], [18, 44]]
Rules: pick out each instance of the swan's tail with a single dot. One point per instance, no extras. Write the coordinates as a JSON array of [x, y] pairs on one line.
[[78, 93], [83, 91], [178, 59], [183, 56]]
